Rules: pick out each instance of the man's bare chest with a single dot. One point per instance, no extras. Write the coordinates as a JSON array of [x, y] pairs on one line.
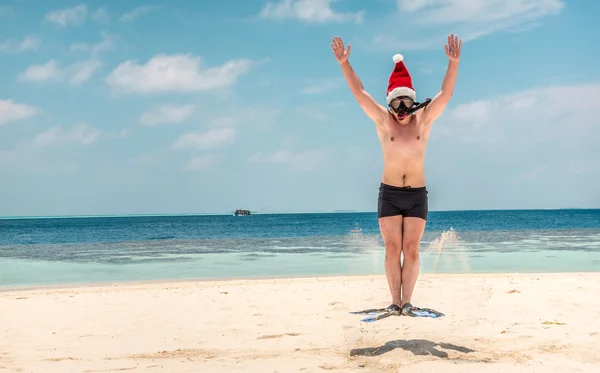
[[409, 136]]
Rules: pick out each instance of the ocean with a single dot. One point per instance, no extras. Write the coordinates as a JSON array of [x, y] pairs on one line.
[[70, 250]]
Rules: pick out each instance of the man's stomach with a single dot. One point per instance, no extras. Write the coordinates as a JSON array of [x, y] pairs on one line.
[[398, 174]]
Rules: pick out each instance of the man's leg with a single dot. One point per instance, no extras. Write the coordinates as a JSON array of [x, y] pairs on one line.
[[391, 231], [413, 229]]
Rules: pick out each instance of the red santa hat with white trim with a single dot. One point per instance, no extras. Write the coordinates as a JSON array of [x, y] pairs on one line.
[[400, 81]]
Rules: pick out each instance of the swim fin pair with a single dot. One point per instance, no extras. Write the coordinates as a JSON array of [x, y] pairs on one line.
[[393, 310]]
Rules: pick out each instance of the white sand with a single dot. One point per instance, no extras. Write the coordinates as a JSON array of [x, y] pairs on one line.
[[494, 323]]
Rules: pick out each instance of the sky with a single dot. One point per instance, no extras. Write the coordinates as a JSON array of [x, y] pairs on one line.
[[158, 107]]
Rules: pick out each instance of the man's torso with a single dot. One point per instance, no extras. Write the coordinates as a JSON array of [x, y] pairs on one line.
[[403, 148]]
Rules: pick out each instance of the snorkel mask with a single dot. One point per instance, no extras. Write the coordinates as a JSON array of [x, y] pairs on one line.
[[404, 105]]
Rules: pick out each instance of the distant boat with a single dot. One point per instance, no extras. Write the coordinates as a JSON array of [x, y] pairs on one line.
[[240, 212]]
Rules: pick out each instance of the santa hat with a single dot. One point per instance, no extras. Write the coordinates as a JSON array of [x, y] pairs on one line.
[[400, 82]]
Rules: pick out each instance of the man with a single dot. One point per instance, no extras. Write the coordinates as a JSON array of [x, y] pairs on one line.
[[403, 132]]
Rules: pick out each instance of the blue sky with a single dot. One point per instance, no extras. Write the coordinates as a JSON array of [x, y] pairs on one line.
[[134, 107]]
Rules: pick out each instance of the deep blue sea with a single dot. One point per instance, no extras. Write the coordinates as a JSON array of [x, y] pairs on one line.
[[53, 251]]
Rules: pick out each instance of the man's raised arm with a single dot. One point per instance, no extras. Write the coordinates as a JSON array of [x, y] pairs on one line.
[[373, 110], [440, 101]]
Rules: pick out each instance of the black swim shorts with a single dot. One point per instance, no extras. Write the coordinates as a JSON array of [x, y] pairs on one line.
[[405, 201]]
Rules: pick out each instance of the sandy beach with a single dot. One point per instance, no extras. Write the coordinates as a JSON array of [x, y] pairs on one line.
[[494, 323]]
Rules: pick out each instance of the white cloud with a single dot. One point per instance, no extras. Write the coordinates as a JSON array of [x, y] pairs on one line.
[[301, 161], [11, 111], [480, 12], [198, 162], [6, 11], [256, 117], [167, 114], [101, 15], [262, 117], [470, 19], [136, 12], [534, 173], [320, 86], [174, 73], [41, 73], [222, 122], [318, 11], [70, 16], [35, 154], [115, 135], [29, 43], [81, 134], [538, 117], [75, 74], [214, 138], [411, 6], [148, 159], [104, 45], [314, 113], [523, 149], [7, 156], [82, 71], [474, 111], [289, 140]]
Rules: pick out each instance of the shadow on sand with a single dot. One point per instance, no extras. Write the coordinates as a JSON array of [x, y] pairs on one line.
[[416, 346]]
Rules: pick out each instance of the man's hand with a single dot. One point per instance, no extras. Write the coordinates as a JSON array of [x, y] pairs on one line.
[[453, 48], [440, 101], [337, 46], [373, 110]]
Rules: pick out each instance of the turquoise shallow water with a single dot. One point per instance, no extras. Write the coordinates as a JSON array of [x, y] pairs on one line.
[[59, 251]]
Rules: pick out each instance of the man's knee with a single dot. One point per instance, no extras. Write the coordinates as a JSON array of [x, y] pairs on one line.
[[411, 249], [393, 248]]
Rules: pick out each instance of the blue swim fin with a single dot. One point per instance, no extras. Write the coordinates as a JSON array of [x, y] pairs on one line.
[[412, 311]]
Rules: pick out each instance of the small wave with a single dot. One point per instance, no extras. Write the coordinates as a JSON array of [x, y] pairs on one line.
[[166, 237]]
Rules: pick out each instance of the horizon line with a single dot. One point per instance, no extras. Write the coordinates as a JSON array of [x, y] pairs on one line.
[[267, 213]]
